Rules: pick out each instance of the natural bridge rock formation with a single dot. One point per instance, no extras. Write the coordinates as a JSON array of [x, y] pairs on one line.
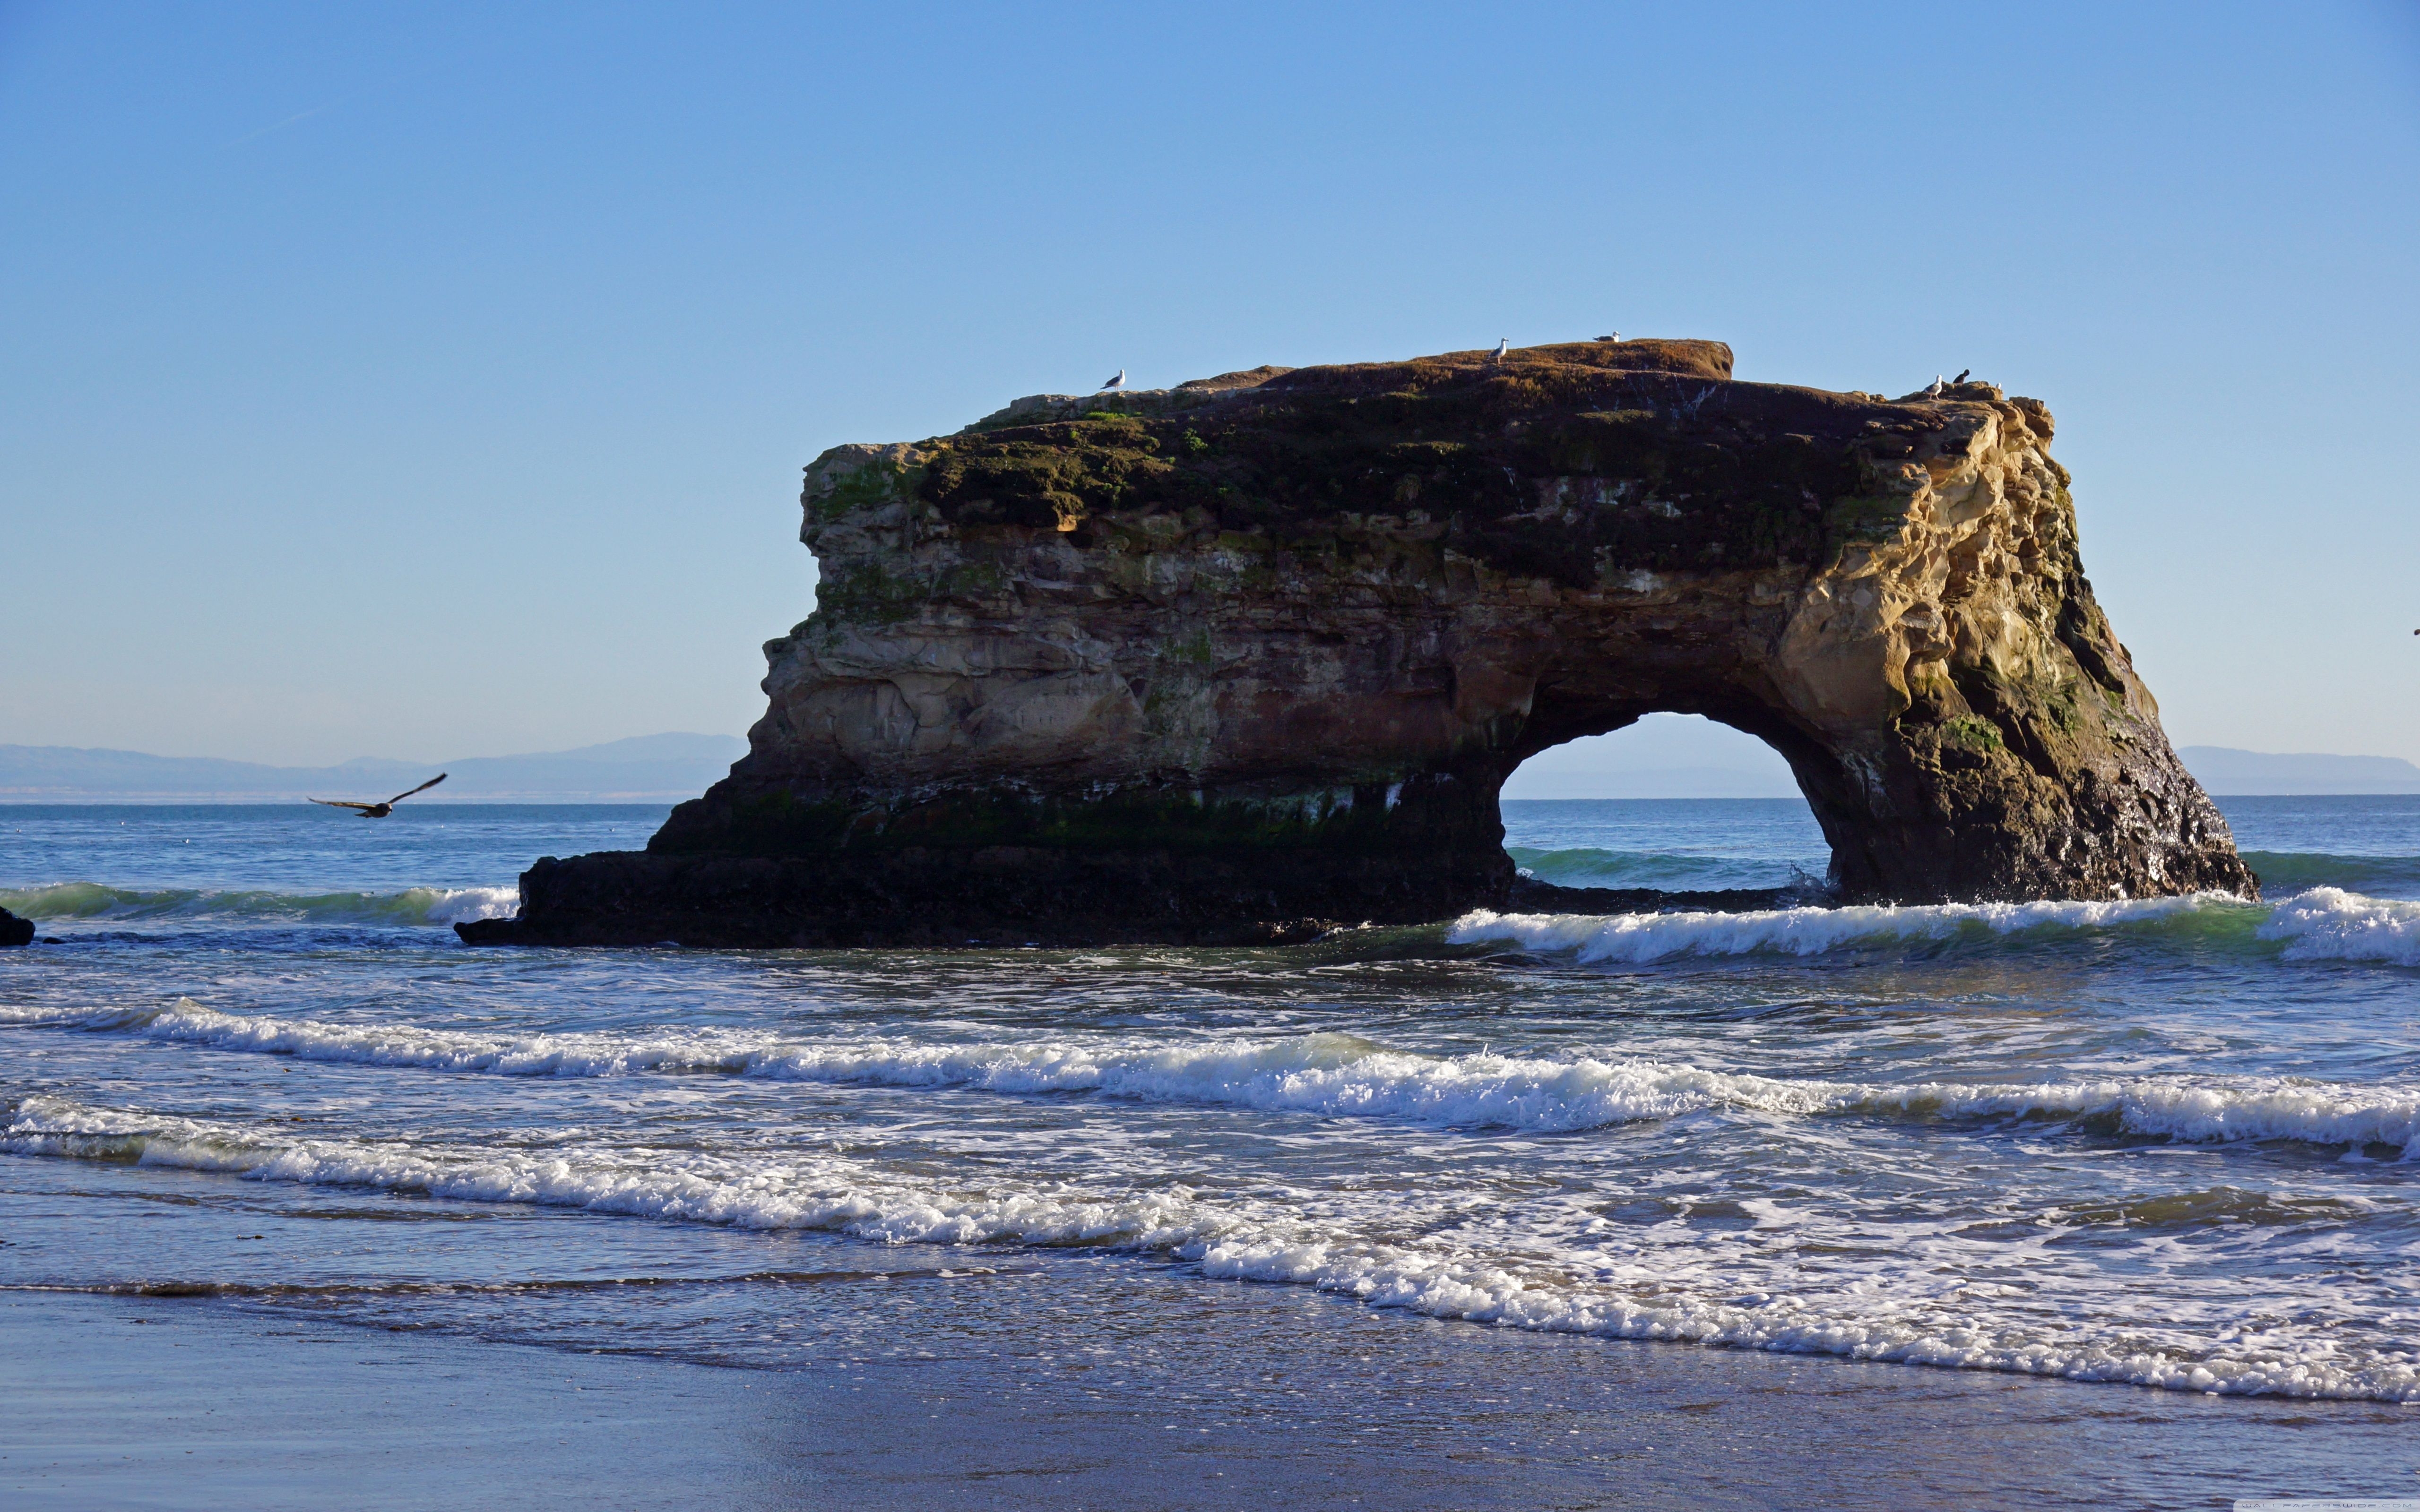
[[1230, 660]]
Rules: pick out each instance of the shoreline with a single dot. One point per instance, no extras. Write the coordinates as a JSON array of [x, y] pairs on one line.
[[142, 1410]]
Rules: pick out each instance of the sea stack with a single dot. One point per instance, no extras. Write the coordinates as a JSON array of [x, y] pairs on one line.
[[1251, 656], [15, 930]]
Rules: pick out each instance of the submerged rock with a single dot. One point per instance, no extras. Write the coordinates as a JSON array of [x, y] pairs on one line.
[[15, 930], [1237, 660]]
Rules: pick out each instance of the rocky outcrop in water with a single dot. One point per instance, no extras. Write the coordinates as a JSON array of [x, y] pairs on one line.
[[15, 930], [1236, 659]]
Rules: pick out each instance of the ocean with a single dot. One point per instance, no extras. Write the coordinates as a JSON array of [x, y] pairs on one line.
[[2157, 1147]]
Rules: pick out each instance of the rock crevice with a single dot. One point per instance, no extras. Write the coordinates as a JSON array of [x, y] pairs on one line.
[[1233, 659]]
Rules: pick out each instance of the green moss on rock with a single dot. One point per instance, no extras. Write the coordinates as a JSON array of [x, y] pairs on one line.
[[1709, 476]]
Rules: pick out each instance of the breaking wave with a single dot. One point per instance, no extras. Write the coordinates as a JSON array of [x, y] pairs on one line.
[[2324, 924], [2330, 924], [1332, 1076], [1638, 938], [1237, 1238], [412, 906], [2282, 874]]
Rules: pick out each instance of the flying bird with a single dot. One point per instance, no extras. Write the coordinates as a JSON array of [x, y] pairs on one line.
[[380, 811], [1116, 383], [1502, 346], [1962, 375]]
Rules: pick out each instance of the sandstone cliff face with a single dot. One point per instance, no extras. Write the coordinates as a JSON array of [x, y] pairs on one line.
[[1160, 665]]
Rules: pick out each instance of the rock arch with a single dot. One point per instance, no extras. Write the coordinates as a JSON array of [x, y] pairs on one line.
[[1238, 658]]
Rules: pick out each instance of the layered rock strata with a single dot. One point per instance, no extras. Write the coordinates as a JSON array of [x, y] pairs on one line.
[[1241, 658]]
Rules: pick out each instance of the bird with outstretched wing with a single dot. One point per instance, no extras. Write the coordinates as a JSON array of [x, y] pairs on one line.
[[380, 811]]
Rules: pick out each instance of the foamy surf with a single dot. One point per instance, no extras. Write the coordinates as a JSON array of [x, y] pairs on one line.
[[1640, 938], [90, 901], [1332, 1075], [1919, 1322], [2330, 924]]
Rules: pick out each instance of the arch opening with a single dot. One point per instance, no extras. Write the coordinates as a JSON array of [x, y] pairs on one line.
[[1670, 802]]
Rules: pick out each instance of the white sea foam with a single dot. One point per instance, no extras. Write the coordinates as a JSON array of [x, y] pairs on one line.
[[1643, 937], [2331, 924], [461, 905], [1239, 1241], [1334, 1075], [2188, 1109]]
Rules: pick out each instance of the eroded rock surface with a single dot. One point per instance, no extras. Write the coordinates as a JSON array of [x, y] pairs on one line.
[[1231, 660]]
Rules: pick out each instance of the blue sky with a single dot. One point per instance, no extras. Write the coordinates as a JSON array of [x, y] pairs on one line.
[[424, 380]]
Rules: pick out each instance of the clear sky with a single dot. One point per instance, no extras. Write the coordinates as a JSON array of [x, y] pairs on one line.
[[426, 381]]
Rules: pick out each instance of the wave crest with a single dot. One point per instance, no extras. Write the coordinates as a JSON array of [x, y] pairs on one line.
[[2322, 924], [411, 906], [1330, 1076], [1640, 938], [2330, 924]]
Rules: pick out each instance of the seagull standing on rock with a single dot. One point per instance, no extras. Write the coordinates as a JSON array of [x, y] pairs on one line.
[[1116, 383], [1502, 346], [1938, 384]]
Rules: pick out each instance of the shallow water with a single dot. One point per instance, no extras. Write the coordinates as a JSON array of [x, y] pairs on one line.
[[2167, 1143]]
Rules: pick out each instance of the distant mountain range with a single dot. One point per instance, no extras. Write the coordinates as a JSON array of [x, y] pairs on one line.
[[1652, 782], [1665, 757], [669, 768], [642, 769], [2223, 770]]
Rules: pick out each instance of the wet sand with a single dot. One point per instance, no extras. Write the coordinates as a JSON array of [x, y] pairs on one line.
[[193, 1403]]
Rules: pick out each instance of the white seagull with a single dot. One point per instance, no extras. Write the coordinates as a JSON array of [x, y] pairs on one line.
[[1934, 392], [1116, 383], [1502, 346]]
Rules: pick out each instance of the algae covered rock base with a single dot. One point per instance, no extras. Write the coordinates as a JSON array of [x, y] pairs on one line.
[[1254, 656]]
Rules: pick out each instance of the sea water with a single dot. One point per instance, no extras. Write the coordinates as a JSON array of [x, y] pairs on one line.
[[2169, 1143]]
